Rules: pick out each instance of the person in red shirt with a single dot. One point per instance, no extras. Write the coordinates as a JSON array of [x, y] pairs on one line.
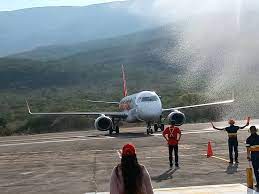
[[172, 134]]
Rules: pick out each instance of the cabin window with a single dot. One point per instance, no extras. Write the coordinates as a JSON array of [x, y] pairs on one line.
[[149, 99]]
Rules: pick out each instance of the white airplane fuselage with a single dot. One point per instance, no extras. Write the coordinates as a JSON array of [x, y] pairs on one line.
[[143, 106]]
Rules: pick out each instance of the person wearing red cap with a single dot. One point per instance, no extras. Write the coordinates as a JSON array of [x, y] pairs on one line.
[[129, 177], [172, 135], [232, 138]]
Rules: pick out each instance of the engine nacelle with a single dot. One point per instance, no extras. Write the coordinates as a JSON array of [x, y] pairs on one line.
[[177, 116], [103, 123]]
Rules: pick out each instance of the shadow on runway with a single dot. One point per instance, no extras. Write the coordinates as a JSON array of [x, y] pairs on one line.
[[232, 169], [129, 135], [165, 176]]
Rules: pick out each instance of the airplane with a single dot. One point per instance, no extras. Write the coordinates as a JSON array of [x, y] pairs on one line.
[[144, 106]]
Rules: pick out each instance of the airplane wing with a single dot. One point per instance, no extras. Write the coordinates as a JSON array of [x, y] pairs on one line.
[[198, 105], [112, 114]]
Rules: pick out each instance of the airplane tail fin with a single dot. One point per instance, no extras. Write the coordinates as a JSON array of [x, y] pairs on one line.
[[125, 92]]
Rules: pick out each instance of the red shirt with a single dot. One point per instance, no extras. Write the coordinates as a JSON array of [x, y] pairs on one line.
[[172, 135]]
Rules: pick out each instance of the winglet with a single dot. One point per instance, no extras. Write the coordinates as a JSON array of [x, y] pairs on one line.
[[125, 92], [28, 107]]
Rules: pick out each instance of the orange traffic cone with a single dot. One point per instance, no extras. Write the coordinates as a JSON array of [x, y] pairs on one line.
[[209, 151]]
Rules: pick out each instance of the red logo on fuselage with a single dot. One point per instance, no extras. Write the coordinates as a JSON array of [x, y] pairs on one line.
[[124, 106]]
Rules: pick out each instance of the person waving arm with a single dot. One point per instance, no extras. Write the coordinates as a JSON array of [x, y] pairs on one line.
[[216, 127], [247, 123]]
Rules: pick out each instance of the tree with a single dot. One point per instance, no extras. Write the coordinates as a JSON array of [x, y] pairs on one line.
[[3, 123]]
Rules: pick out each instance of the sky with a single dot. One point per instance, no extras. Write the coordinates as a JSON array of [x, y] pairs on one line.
[[8, 5]]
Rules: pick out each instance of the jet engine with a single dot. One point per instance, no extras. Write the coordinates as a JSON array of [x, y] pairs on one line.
[[103, 123], [177, 116]]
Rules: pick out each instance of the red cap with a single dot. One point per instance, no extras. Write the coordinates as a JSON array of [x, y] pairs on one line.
[[128, 150]]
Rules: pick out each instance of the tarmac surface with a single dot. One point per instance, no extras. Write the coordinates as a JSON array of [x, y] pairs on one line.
[[80, 162]]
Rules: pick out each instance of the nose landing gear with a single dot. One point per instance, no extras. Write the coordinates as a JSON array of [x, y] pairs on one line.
[[159, 126], [149, 129]]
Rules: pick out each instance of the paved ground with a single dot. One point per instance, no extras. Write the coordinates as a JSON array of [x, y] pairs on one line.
[[206, 189], [209, 189], [80, 162]]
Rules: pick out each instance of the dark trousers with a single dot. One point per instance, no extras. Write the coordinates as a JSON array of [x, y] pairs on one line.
[[233, 145], [255, 163], [172, 148]]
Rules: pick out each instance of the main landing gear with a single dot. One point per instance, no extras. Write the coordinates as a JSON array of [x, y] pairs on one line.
[[156, 127], [149, 129], [115, 127], [159, 126]]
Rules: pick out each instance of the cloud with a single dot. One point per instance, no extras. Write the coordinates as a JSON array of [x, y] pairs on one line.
[[21, 4], [171, 10]]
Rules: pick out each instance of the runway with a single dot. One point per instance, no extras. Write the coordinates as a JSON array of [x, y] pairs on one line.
[[81, 162]]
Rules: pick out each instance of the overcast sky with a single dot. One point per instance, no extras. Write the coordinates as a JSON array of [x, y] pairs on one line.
[[7, 5]]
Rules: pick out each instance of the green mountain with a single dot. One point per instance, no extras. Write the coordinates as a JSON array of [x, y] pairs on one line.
[[124, 42], [26, 29]]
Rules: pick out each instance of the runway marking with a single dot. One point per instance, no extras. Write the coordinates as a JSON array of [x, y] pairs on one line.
[[199, 131], [188, 155], [25, 173], [180, 155], [85, 138], [57, 141], [43, 138], [80, 138], [189, 132], [220, 158]]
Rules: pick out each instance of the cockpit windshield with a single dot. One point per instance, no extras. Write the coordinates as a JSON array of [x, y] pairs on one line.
[[149, 98]]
